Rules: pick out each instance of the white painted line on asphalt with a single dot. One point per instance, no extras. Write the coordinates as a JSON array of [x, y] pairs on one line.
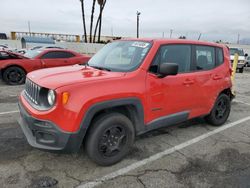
[[157, 156], [238, 101], [13, 95], [10, 112]]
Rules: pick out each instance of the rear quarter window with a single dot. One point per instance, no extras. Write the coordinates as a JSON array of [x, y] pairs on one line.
[[219, 56]]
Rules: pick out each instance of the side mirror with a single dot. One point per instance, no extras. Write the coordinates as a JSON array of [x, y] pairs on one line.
[[167, 69], [246, 55]]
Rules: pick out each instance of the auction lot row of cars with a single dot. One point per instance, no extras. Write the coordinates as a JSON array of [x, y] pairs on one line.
[[125, 91]]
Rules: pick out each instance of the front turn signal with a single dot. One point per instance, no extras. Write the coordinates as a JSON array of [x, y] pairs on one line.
[[65, 97]]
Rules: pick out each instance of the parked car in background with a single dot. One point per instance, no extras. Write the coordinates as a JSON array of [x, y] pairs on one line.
[[3, 36], [248, 61], [128, 88], [21, 51], [14, 67], [7, 48], [45, 47], [241, 60], [3, 47]]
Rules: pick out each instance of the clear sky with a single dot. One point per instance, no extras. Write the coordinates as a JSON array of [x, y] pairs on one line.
[[215, 19]]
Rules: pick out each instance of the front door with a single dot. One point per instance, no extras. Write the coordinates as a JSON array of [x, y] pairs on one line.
[[172, 95], [56, 59]]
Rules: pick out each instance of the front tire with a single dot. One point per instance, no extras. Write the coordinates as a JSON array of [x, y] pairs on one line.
[[14, 75], [109, 139], [220, 112]]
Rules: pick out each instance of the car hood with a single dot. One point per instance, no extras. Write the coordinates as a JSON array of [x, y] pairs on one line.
[[53, 78], [17, 54], [240, 58]]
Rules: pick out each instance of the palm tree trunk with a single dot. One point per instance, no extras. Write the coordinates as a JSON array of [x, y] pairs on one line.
[[100, 26], [96, 26], [99, 21], [91, 21], [83, 21]]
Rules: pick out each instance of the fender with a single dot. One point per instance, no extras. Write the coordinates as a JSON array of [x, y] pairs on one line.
[[86, 121], [135, 102]]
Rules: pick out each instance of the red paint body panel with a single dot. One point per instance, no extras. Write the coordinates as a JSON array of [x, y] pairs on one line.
[[36, 63], [88, 86]]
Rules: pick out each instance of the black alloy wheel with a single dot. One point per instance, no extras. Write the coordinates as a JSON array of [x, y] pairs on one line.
[[109, 139], [112, 141], [221, 110], [14, 76]]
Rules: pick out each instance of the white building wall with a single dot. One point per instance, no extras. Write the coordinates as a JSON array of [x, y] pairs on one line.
[[90, 49], [85, 48]]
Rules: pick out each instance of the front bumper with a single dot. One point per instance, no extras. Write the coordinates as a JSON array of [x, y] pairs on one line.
[[240, 66], [46, 135]]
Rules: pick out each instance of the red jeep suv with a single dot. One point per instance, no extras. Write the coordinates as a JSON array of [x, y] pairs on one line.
[[128, 88]]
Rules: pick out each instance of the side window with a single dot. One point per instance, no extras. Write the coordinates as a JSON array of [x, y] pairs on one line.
[[57, 55], [179, 54], [220, 56], [66, 55], [205, 57], [49, 55]]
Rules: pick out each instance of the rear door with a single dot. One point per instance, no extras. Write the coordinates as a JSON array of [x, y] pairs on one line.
[[57, 58], [210, 72]]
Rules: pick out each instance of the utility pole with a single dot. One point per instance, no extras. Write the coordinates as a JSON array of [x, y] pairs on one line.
[[199, 37], [112, 31], [138, 20], [163, 34], [238, 41], [171, 32], [29, 28]]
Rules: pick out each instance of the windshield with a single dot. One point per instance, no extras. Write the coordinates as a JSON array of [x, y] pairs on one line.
[[32, 53], [236, 50], [122, 56]]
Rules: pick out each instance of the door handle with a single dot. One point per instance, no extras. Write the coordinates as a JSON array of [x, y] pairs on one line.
[[43, 63], [188, 82], [217, 77]]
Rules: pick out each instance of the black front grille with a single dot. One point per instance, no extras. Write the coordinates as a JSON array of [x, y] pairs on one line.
[[32, 91]]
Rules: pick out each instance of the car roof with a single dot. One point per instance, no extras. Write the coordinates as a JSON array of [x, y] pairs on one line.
[[56, 49], [177, 41]]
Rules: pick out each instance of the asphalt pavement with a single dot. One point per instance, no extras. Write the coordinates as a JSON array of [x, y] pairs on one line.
[[191, 154]]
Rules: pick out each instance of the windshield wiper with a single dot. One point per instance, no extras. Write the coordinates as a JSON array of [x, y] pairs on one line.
[[101, 68]]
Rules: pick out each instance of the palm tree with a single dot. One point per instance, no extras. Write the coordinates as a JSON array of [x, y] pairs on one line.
[[92, 20], [102, 4], [83, 21]]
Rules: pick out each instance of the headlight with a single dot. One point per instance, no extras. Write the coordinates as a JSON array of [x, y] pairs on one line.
[[51, 97]]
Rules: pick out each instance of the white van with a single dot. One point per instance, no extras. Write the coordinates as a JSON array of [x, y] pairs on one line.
[[242, 58]]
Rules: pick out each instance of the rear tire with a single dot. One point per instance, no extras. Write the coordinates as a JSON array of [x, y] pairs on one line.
[[220, 112], [241, 70], [14, 75], [109, 139]]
